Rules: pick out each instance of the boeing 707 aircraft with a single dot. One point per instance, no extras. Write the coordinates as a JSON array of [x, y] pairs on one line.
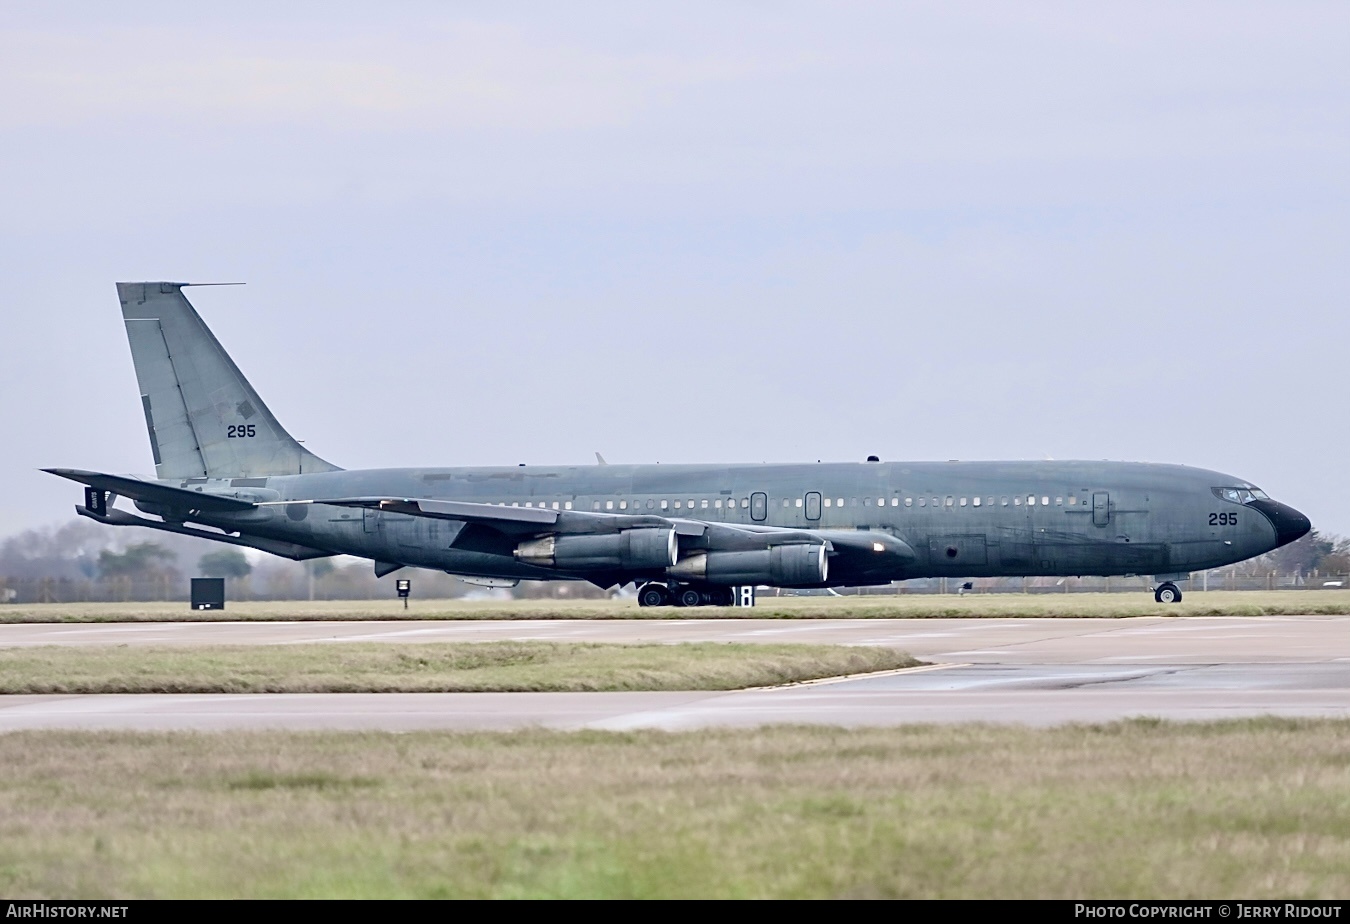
[[682, 534]]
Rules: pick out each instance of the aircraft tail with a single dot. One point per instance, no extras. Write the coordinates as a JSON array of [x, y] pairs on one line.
[[205, 419]]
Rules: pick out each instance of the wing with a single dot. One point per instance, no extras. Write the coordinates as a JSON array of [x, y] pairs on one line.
[[514, 520], [578, 542]]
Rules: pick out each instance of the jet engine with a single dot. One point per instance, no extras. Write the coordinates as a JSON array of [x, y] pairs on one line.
[[636, 549], [782, 566]]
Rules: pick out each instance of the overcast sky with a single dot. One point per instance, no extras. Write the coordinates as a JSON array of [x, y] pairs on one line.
[[493, 233]]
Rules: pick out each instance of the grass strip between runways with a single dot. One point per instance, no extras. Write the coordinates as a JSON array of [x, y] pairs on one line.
[[431, 668], [1255, 809], [1125, 605]]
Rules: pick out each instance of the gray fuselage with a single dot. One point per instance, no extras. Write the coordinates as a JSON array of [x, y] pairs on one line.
[[961, 519]]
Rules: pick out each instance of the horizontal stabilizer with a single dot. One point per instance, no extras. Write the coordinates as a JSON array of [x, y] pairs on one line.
[[151, 492], [291, 550]]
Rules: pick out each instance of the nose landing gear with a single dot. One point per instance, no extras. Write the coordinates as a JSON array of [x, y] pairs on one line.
[[1167, 592]]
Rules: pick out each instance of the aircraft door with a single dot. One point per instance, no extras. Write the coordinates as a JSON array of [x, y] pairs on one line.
[[1101, 508], [370, 520], [759, 506], [813, 505]]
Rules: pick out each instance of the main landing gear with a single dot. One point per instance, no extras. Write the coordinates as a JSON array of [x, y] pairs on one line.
[[1167, 592], [658, 594]]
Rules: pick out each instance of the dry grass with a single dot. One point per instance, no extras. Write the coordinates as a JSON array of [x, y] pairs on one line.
[[901, 606], [430, 668], [1250, 809]]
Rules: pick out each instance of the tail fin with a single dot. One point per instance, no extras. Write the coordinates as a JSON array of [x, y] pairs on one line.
[[204, 418]]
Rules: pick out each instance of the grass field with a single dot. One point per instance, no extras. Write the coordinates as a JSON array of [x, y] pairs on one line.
[[1247, 809], [430, 668], [902, 606]]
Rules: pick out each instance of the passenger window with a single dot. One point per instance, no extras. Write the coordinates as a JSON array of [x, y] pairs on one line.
[[650, 503], [566, 506], [1031, 500], [976, 502], [909, 502], [923, 502], [623, 505], [1003, 501], [1017, 501], [949, 500], [963, 502], [717, 504], [799, 502], [1072, 500], [704, 505], [1059, 502], [691, 505], [529, 503], [839, 502], [785, 502], [677, 505], [867, 501], [596, 506], [1045, 502], [664, 503], [895, 501], [827, 502], [745, 502], [609, 505]]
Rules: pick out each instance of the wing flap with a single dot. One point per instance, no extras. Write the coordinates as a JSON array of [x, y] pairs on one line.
[[463, 511]]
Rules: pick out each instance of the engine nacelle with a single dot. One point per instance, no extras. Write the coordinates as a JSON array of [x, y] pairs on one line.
[[781, 566], [639, 549]]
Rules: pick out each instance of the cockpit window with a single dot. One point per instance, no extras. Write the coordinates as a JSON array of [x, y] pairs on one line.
[[1240, 495]]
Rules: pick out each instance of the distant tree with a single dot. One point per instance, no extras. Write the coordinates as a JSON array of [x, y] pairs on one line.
[[1302, 555], [139, 560], [1338, 562], [224, 563]]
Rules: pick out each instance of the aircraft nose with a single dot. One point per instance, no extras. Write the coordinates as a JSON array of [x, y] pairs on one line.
[[1289, 523]]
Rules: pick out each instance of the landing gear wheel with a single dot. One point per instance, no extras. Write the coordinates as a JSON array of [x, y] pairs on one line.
[[1167, 592], [689, 597], [654, 595]]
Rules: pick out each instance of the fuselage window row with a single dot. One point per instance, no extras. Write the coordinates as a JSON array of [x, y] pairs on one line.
[[788, 503]]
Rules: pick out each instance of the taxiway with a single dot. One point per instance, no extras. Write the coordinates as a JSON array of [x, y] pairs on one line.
[[1028, 671]]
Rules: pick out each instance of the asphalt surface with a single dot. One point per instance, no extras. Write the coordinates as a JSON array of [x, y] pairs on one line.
[[1025, 671]]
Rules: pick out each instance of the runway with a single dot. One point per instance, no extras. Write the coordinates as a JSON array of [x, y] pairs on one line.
[[1025, 671]]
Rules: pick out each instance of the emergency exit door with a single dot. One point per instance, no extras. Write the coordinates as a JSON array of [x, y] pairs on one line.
[[1101, 508]]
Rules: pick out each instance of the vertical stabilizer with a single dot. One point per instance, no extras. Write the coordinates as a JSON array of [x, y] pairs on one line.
[[204, 418]]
